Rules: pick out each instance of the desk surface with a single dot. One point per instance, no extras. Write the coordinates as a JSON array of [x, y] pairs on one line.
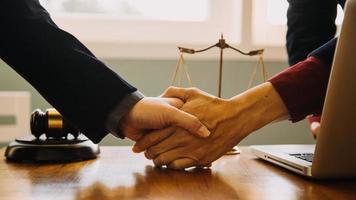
[[121, 174]]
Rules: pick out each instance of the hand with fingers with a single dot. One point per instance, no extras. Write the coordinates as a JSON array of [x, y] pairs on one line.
[[229, 121], [158, 113]]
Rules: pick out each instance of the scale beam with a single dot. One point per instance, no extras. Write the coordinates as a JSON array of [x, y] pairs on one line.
[[223, 45]]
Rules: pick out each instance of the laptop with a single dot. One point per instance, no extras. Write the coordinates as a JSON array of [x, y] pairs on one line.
[[334, 155]]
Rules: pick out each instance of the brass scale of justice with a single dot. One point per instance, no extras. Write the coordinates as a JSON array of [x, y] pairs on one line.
[[181, 66]]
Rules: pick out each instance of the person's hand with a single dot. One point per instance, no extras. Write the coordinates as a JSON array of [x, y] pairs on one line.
[[229, 121], [158, 113], [314, 122], [180, 144]]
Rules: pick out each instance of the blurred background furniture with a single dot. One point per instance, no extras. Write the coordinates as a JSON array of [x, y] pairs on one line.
[[15, 112]]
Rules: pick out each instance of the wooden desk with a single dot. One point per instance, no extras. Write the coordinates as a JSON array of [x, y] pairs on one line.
[[121, 174]]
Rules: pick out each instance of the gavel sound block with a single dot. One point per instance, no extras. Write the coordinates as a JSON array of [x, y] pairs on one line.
[[53, 139]]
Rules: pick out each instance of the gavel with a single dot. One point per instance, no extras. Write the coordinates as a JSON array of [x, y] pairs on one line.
[[52, 124]]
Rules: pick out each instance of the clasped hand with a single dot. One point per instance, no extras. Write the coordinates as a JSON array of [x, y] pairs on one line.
[[177, 145], [178, 149], [158, 113]]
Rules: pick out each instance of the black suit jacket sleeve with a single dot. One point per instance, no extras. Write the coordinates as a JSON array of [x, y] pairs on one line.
[[311, 24], [82, 88]]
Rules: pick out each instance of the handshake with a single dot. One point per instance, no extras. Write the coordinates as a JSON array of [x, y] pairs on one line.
[[190, 128]]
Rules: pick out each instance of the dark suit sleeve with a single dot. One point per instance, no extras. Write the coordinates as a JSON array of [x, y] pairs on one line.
[[325, 52], [82, 88], [311, 24]]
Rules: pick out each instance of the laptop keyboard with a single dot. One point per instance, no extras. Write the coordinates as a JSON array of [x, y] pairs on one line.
[[304, 156]]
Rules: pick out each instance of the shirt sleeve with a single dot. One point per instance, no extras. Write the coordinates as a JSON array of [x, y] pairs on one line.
[[302, 87], [120, 110]]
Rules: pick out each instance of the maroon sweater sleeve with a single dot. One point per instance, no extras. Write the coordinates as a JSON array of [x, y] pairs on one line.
[[302, 87]]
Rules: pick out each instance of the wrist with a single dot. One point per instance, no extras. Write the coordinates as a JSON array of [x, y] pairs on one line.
[[120, 111], [131, 115], [259, 106]]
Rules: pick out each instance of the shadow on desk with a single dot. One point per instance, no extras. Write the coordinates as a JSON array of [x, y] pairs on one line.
[[154, 183], [165, 184]]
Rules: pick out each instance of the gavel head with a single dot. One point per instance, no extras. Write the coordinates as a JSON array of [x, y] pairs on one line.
[[52, 124]]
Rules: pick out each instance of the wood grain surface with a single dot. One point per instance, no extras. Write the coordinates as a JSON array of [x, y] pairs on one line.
[[120, 174]]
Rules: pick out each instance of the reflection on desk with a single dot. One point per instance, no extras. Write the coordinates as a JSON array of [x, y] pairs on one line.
[[121, 174]]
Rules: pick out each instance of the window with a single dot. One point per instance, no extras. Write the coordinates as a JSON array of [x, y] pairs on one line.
[[118, 28], [197, 10], [153, 28]]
